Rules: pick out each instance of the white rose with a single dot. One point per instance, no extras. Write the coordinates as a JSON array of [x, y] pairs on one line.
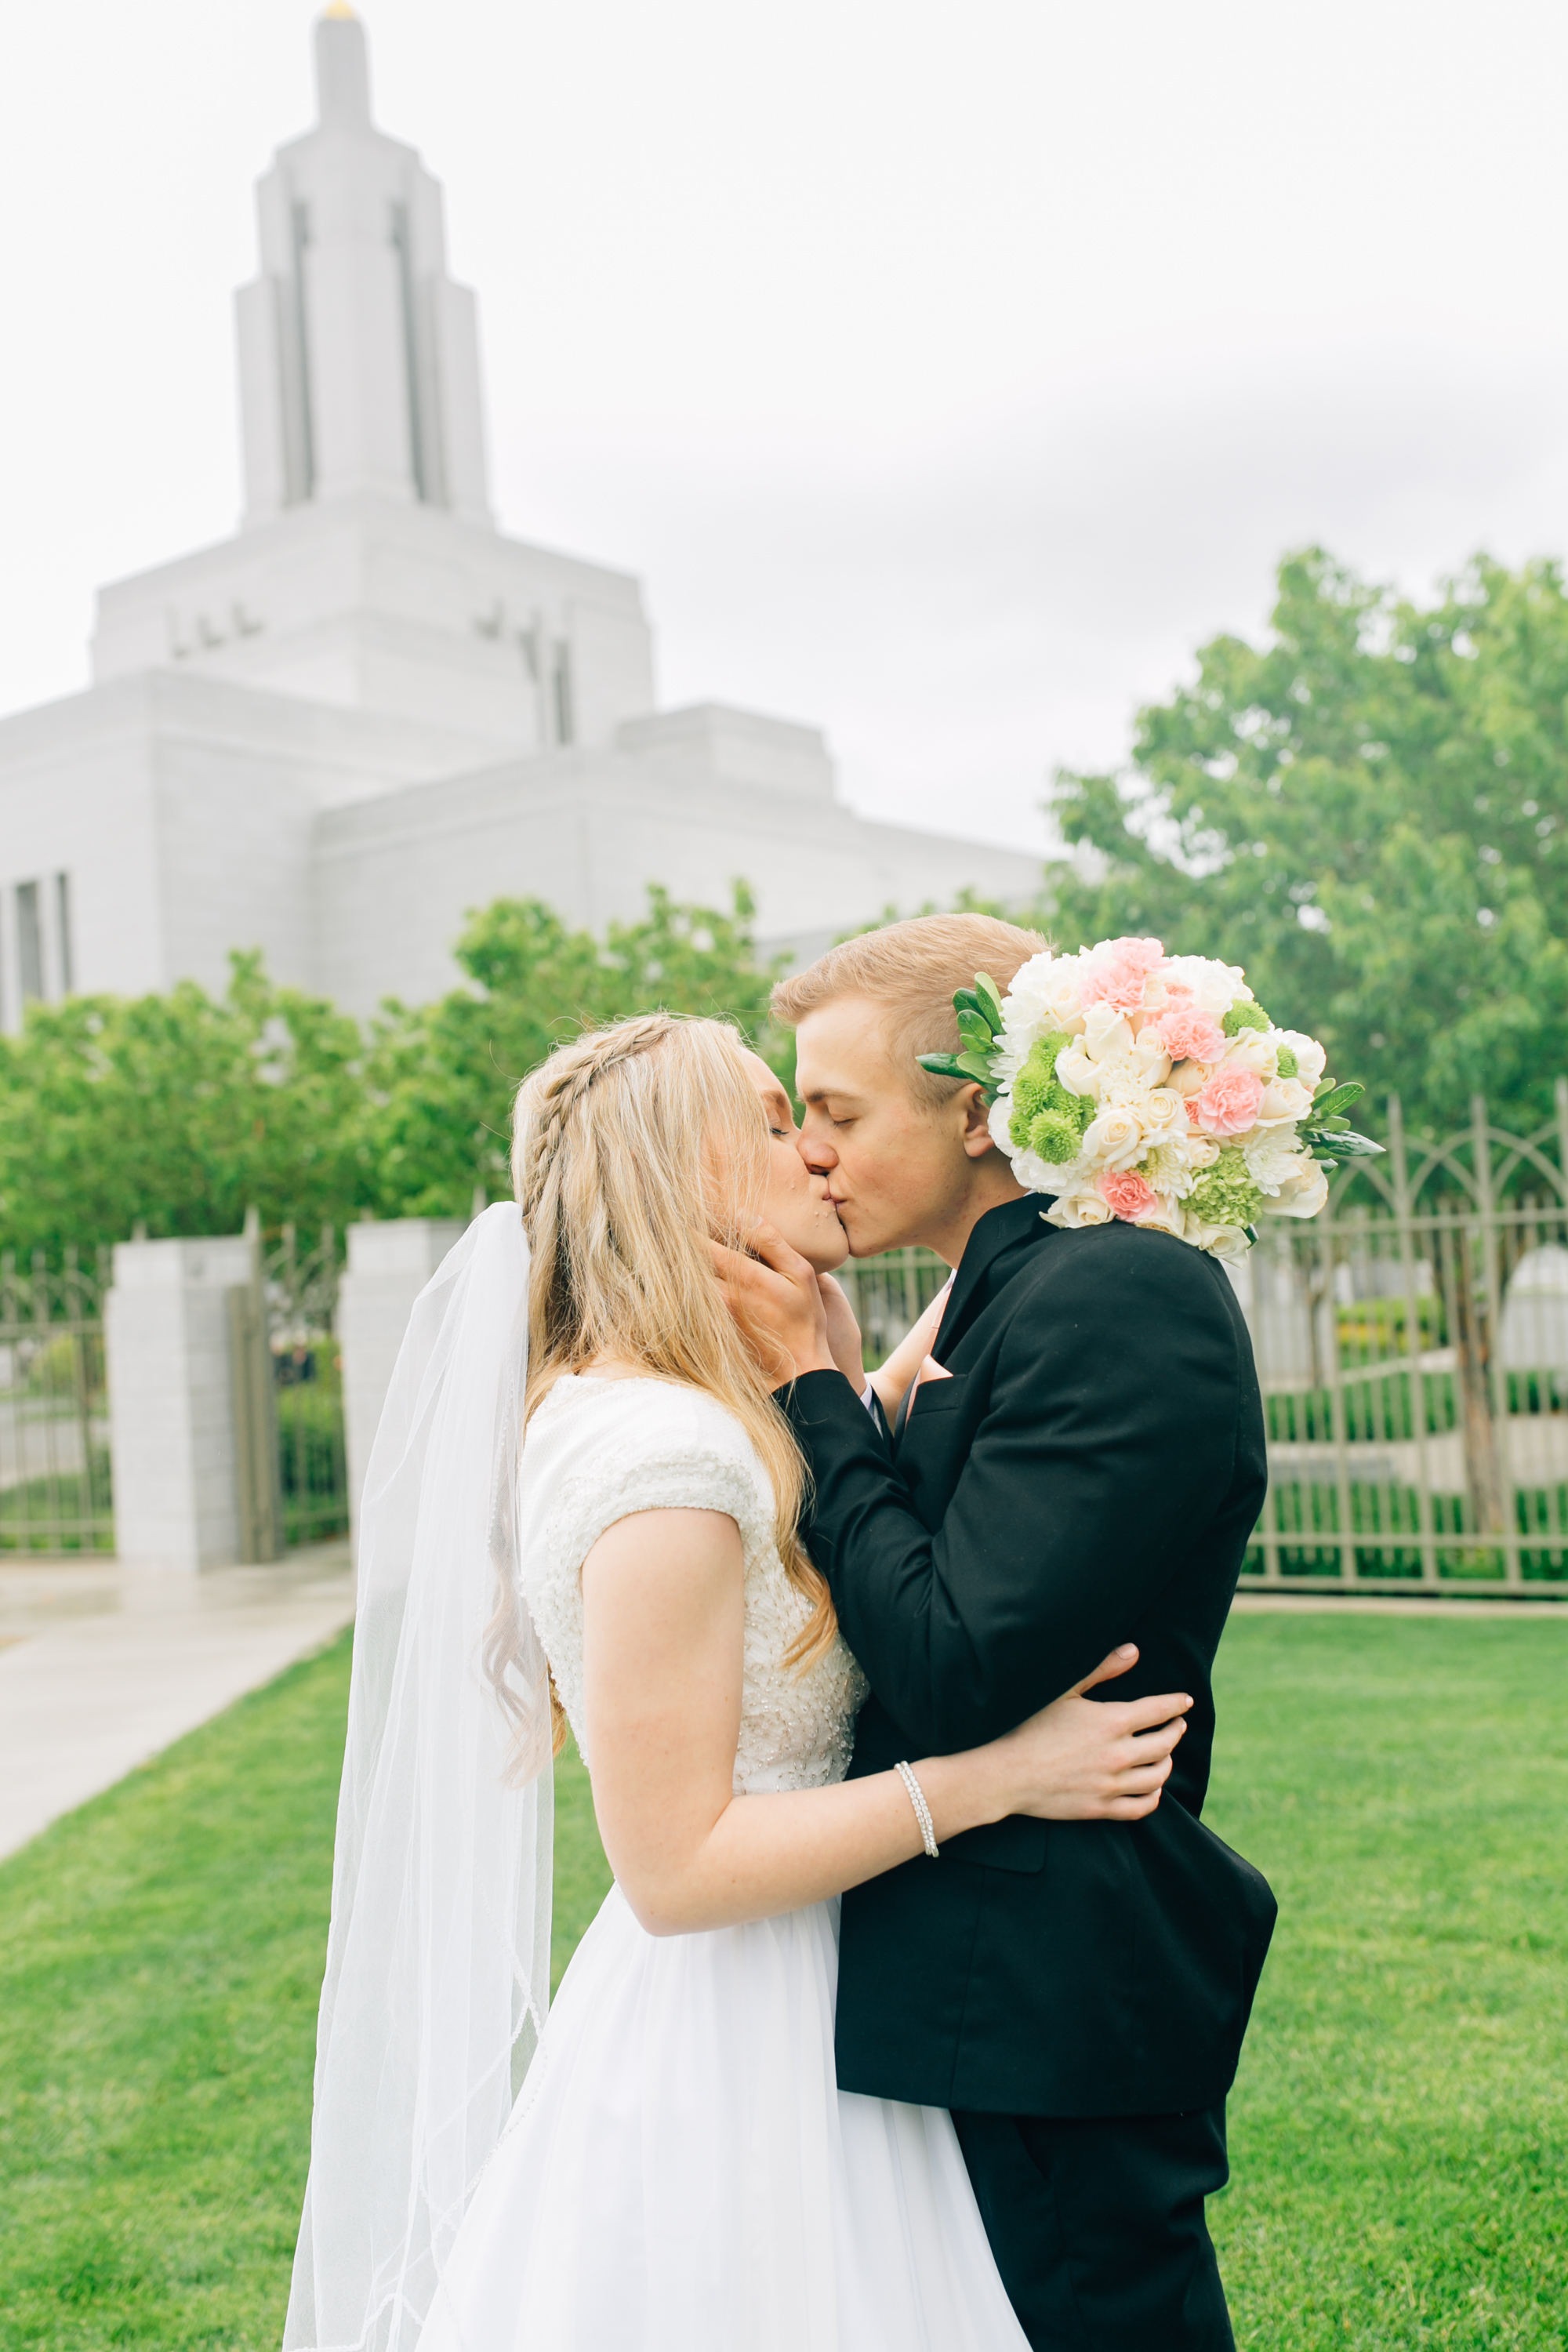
[[1219, 1240], [1304, 1195], [1252, 1050], [1165, 1114], [1310, 1059], [1202, 1151], [1060, 1002], [1079, 1209], [1165, 1217], [1188, 1077], [1106, 1031], [1150, 1059], [1078, 1073], [1115, 1139], [1285, 1099]]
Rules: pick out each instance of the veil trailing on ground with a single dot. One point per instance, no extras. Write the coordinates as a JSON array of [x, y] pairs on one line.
[[438, 1957]]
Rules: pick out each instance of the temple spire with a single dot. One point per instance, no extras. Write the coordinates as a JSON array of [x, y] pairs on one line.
[[343, 69], [359, 357]]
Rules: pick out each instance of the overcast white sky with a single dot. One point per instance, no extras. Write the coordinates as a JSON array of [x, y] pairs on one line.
[[947, 373]]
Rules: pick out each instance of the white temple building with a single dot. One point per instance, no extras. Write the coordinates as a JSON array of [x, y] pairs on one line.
[[368, 712]]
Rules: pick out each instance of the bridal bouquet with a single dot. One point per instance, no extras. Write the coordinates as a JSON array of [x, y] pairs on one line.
[[1154, 1088]]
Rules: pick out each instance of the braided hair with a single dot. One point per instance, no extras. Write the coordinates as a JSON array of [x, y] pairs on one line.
[[633, 1148]]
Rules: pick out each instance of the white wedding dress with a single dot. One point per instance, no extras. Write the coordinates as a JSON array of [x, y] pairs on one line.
[[680, 2172]]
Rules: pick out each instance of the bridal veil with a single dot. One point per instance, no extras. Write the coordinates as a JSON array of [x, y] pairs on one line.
[[438, 1955]]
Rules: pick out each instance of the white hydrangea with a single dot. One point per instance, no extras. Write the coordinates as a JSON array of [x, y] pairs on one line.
[[1214, 987], [1045, 994]]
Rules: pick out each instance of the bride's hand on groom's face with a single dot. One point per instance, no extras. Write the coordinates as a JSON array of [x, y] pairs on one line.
[[775, 1296], [1083, 1759]]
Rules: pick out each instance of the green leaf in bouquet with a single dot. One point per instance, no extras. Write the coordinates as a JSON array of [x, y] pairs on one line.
[[1352, 1145], [974, 1031], [990, 997], [942, 1066], [964, 1001], [1338, 1098], [977, 1066]]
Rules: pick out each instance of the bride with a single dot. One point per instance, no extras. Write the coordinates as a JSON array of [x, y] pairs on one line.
[[584, 1500]]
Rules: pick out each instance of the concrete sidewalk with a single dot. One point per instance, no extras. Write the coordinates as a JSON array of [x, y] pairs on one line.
[[102, 1667]]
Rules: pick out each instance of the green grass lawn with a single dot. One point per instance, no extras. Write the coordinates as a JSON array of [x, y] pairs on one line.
[[1399, 2135]]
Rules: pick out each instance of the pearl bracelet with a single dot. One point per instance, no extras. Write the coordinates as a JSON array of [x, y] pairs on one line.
[[922, 1810]]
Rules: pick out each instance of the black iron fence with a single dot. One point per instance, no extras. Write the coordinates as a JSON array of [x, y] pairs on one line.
[[300, 1293], [1411, 1345], [54, 1412]]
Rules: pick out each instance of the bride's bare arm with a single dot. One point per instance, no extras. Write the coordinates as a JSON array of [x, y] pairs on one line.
[[663, 1634], [892, 1378]]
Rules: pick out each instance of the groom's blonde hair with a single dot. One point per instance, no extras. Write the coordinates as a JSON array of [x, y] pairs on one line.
[[909, 971]]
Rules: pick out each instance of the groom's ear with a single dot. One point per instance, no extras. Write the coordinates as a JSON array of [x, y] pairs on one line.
[[976, 1130]]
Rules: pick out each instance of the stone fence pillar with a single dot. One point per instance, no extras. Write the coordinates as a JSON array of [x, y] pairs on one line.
[[193, 1431], [389, 1266]]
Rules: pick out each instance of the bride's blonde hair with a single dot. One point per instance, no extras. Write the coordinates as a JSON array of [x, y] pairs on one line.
[[633, 1148]]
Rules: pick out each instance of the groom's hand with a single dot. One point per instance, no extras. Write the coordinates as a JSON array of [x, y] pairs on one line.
[[774, 1295]]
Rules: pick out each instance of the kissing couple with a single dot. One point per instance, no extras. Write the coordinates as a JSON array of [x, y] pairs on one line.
[[908, 2022]]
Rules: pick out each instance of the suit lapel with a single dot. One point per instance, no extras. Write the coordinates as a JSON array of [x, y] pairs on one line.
[[1014, 1223]]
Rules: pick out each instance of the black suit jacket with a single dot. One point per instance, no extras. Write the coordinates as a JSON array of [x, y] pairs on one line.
[[1090, 1475]]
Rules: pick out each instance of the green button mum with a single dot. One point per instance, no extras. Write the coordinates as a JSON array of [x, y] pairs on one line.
[[1046, 1118]]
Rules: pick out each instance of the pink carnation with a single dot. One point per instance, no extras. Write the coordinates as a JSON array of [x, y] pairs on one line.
[[1188, 1034], [1118, 975], [1127, 1196], [1227, 1103]]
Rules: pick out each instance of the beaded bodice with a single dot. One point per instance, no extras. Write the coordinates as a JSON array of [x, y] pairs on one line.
[[598, 1450]]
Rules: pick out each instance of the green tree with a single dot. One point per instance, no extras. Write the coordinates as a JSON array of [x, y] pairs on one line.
[[178, 1111], [1368, 813], [442, 1075], [175, 1111]]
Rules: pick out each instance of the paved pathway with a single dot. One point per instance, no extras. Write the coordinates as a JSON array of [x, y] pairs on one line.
[[102, 1667]]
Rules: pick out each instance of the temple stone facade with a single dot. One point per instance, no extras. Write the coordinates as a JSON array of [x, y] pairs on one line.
[[369, 712]]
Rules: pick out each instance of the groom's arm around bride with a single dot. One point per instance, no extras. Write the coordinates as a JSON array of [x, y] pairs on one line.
[[1091, 1473]]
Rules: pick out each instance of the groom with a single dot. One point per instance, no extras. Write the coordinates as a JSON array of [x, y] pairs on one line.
[[1089, 1473]]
